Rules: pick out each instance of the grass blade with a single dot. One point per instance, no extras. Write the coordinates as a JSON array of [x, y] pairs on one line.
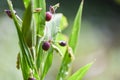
[[72, 43], [81, 72], [76, 28], [48, 63], [26, 3], [66, 62], [24, 49], [39, 17], [26, 26]]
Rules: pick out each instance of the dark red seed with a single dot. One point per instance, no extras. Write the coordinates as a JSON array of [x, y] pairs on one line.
[[8, 12], [46, 46], [48, 16], [31, 79], [62, 43]]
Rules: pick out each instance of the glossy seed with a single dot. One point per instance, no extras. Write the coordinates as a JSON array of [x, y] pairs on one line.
[[46, 46], [62, 43], [48, 16]]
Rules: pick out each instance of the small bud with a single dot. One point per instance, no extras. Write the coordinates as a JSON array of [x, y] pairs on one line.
[[62, 43], [51, 9], [31, 79], [48, 16], [8, 12], [46, 46]]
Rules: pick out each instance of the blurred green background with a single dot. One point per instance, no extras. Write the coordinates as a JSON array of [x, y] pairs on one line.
[[99, 39]]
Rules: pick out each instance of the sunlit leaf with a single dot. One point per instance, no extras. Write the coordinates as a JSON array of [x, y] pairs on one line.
[[48, 62], [40, 16], [26, 26], [76, 28], [26, 3], [63, 23], [80, 73], [24, 49], [24, 67], [39, 56], [65, 65]]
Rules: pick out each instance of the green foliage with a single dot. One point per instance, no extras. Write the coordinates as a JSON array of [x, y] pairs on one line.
[[76, 28], [39, 17], [26, 3], [72, 43], [66, 63], [33, 30], [26, 25], [80, 73], [48, 63]]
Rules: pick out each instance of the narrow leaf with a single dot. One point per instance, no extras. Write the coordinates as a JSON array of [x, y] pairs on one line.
[[40, 16], [76, 28], [24, 67], [26, 26], [24, 49], [65, 65], [39, 56], [81, 72], [26, 3], [48, 63]]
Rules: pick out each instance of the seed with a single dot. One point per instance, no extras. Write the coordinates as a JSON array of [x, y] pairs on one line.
[[31, 79], [8, 12], [48, 16], [62, 43], [46, 46]]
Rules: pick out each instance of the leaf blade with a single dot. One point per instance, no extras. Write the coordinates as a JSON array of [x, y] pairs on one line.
[[81, 72], [76, 28], [26, 3], [40, 16], [48, 63], [26, 25]]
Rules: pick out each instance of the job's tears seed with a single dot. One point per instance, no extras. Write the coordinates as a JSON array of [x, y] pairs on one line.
[[31, 79], [62, 43], [46, 46], [48, 16]]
